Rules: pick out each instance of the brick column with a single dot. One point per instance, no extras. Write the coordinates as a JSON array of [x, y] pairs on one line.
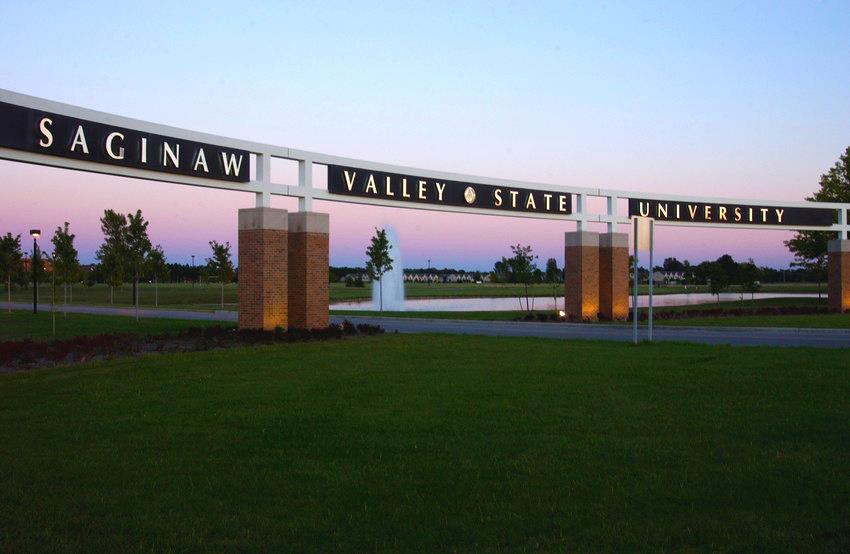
[[263, 261], [839, 275], [308, 270], [581, 275], [614, 276]]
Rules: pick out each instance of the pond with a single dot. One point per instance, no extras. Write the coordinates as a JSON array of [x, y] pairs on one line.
[[541, 303]]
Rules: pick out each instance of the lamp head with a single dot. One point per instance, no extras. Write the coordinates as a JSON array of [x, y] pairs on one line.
[[35, 233]]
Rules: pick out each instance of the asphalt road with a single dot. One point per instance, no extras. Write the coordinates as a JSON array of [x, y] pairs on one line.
[[740, 336]]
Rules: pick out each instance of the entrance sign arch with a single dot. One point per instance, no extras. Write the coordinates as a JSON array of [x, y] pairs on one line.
[[283, 258]]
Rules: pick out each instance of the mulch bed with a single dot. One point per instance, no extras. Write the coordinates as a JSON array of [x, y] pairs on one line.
[[28, 354], [661, 314]]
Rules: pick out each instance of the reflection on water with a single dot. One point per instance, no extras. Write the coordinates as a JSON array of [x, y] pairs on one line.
[[541, 303]]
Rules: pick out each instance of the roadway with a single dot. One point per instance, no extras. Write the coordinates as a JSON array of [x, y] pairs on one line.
[[738, 336]]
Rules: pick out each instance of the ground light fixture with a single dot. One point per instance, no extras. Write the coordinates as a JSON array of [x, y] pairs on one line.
[[35, 233]]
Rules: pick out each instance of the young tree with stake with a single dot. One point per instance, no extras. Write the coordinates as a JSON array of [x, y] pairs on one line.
[[112, 253], [66, 265], [137, 247], [157, 268], [378, 261], [10, 262], [523, 267], [221, 265]]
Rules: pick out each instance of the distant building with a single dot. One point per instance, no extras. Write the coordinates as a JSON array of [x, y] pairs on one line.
[[668, 277]]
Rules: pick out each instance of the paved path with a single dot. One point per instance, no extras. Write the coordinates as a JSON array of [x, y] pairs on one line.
[[763, 336]]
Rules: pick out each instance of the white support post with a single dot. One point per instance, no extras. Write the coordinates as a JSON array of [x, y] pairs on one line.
[[264, 178], [581, 211], [305, 184], [842, 222], [612, 214]]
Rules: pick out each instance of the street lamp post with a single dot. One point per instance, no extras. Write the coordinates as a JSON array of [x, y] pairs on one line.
[[192, 277], [35, 233]]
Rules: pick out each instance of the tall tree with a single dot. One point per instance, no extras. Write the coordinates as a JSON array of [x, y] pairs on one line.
[[378, 261], [112, 253], [523, 267], [10, 262], [809, 247], [221, 265], [138, 244], [553, 277], [66, 264], [718, 278], [157, 268], [749, 275]]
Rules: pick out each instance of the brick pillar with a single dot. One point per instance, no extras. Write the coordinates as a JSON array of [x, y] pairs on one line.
[[839, 275], [308, 270], [614, 276], [263, 261], [581, 275]]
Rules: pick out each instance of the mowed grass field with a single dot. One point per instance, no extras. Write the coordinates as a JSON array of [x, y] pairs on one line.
[[182, 295], [431, 443]]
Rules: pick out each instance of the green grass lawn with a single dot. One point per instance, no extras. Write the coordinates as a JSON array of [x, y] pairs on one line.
[[431, 443], [26, 325]]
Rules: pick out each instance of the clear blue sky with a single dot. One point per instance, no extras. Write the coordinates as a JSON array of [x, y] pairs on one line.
[[726, 99]]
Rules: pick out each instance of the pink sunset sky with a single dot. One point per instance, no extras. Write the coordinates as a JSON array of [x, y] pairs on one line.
[[718, 100]]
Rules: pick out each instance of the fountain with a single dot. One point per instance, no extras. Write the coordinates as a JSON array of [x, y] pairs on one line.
[[393, 279]]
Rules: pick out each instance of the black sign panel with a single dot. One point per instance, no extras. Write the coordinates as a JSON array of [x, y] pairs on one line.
[[731, 213], [365, 183], [58, 135]]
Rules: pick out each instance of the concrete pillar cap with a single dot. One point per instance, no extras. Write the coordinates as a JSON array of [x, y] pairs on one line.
[[263, 218], [309, 222], [581, 238], [614, 240], [838, 245]]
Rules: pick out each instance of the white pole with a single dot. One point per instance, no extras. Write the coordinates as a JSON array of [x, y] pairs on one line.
[[649, 315], [635, 283]]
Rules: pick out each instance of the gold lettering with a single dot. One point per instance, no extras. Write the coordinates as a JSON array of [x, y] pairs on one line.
[[111, 153], [440, 188], [48, 136], [529, 203], [404, 192], [370, 184], [169, 154], [707, 212], [737, 213], [80, 140], [779, 213], [678, 214], [349, 179], [562, 203], [693, 211], [497, 195], [661, 210], [513, 194], [751, 215], [144, 150], [389, 190], [547, 197], [422, 189], [643, 213], [721, 213], [763, 215], [202, 160]]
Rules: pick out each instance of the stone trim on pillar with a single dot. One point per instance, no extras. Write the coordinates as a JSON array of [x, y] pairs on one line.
[[263, 264], [838, 252], [614, 276], [581, 275], [308, 270]]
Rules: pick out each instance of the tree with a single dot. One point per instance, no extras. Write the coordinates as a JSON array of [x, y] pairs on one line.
[[749, 275], [66, 264], [523, 268], [717, 277], [221, 265], [157, 268], [378, 261], [730, 267], [672, 264], [112, 253], [809, 247], [138, 244], [10, 262], [553, 277]]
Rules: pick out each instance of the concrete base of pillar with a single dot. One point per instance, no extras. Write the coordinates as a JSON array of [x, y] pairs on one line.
[[838, 253], [308, 270], [614, 276], [263, 264], [581, 275]]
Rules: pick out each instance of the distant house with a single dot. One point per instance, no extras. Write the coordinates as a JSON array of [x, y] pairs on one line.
[[667, 277]]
